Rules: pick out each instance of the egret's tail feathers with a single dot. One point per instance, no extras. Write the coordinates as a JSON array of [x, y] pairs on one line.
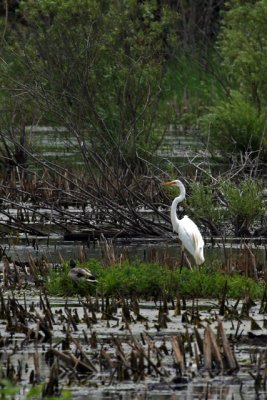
[[199, 248]]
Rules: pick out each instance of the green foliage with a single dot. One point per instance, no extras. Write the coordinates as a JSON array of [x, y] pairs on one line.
[[189, 88], [245, 203], [210, 283], [203, 205], [234, 125], [36, 393], [243, 43], [139, 278], [151, 280], [237, 123], [96, 67], [8, 390]]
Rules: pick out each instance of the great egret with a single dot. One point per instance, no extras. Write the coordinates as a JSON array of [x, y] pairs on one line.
[[80, 274], [187, 230]]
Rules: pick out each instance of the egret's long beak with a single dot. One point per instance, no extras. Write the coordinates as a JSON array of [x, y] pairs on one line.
[[168, 183]]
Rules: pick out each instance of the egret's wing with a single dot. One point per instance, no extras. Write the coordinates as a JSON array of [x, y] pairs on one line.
[[197, 239], [190, 236]]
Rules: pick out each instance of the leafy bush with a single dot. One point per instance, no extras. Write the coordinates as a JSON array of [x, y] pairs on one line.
[[245, 204], [235, 125], [95, 67], [242, 42], [238, 123], [203, 205]]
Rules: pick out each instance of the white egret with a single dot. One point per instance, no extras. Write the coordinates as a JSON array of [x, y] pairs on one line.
[[79, 274], [187, 230]]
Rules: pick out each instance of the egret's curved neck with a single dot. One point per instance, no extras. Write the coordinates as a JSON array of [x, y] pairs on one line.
[[176, 201]]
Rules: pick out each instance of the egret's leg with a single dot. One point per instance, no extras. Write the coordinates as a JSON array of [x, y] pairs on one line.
[[188, 261], [184, 257]]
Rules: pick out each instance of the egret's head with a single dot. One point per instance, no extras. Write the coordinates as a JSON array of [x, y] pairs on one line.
[[170, 183]]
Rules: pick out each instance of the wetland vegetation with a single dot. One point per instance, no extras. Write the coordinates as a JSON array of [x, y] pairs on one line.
[[152, 281], [110, 95], [101, 102]]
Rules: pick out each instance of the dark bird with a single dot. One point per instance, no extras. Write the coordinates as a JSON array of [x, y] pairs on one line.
[[80, 274]]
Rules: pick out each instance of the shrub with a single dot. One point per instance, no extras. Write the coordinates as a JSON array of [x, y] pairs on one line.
[[95, 67], [203, 204], [245, 204], [242, 42], [235, 125]]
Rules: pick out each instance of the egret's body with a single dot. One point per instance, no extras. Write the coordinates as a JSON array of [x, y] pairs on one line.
[[187, 230], [78, 274]]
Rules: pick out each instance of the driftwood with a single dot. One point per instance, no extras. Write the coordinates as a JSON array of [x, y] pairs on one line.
[[178, 354], [211, 350], [84, 356], [71, 361], [230, 359], [218, 353]]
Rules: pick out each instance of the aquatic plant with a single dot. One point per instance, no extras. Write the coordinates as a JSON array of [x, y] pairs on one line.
[[152, 280], [9, 391]]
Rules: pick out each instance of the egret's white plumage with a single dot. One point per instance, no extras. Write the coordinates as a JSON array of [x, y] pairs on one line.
[[187, 230]]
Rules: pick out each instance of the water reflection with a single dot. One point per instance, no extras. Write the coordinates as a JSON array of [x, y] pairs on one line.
[[145, 250], [223, 389]]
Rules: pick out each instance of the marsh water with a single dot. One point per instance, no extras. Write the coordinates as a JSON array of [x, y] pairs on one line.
[[195, 382], [54, 248], [112, 344], [103, 383]]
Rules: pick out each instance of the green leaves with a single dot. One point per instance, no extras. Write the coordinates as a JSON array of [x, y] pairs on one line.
[[235, 125], [152, 280], [134, 278], [203, 203], [96, 67], [245, 204], [243, 43], [228, 204]]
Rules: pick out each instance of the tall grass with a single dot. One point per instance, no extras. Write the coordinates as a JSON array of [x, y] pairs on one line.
[[192, 85]]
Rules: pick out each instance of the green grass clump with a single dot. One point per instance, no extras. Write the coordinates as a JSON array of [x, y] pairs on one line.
[[143, 279], [151, 280], [210, 284], [10, 390]]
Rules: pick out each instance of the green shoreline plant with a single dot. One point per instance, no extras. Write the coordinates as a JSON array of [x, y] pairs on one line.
[[9, 391], [153, 281]]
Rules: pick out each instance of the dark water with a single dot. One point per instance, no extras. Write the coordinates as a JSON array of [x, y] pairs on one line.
[[198, 384], [55, 249]]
